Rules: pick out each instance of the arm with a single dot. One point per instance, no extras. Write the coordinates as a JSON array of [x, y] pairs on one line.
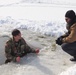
[[65, 35], [72, 36], [8, 52], [27, 47]]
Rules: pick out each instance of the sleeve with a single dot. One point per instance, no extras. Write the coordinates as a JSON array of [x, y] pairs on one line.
[[8, 52], [65, 35], [72, 36], [27, 47]]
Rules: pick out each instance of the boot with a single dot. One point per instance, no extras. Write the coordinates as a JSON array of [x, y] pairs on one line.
[[73, 59]]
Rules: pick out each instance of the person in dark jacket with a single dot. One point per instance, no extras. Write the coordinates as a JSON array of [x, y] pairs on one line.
[[16, 47], [68, 40]]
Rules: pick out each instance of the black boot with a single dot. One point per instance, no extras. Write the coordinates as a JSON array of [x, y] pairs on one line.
[[73, 59], [7, 61]]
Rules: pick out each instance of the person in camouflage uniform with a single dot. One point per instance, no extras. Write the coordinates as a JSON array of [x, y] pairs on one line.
[[16, 47], [68, 40]]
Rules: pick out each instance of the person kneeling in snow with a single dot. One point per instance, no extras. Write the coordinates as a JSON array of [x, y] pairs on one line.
[[68, 41], [16, 47]]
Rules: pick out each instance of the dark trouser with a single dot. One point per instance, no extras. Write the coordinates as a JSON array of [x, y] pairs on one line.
[[70, 48]]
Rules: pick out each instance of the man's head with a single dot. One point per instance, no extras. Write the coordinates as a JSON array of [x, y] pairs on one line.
[[70, 16], [16, 34]]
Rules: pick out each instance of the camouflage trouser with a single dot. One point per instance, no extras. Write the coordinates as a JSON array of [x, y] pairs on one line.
[[70, 48]]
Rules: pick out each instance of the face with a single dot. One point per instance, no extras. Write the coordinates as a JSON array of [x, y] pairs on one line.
[[68, 20], [18, 37]]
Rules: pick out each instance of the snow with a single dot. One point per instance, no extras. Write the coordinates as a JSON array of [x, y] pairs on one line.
[[12, 2], [37, 66], [50, 28], [6, 2], [40, 19], [70, 71], [44, 16]]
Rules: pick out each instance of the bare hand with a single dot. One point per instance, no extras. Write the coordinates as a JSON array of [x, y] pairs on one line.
[[18, 59], [37, 51]]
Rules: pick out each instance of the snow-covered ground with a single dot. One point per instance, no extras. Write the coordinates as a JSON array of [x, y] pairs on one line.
[[70, 71], [51, 28], [42, 17], [50, 61], [46, 19], [12, 2]]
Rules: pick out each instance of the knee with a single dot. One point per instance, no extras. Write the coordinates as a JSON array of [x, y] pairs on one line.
[[64, 47]]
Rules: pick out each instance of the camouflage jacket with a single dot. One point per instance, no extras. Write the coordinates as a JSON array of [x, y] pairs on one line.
[[14, 49]]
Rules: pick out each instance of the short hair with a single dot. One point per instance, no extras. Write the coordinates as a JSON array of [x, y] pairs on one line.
[[15, 32], [70, 14]]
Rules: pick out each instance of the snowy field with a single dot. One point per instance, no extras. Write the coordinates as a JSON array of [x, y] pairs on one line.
[[48, 20], [61, 2], [43, 19]]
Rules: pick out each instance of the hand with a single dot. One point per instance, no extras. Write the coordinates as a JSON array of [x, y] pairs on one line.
[[59, 41], [18, 59], [37, 51]]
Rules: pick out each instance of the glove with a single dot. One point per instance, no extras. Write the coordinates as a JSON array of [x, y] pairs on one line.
[[18, 59], [59, 41]]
